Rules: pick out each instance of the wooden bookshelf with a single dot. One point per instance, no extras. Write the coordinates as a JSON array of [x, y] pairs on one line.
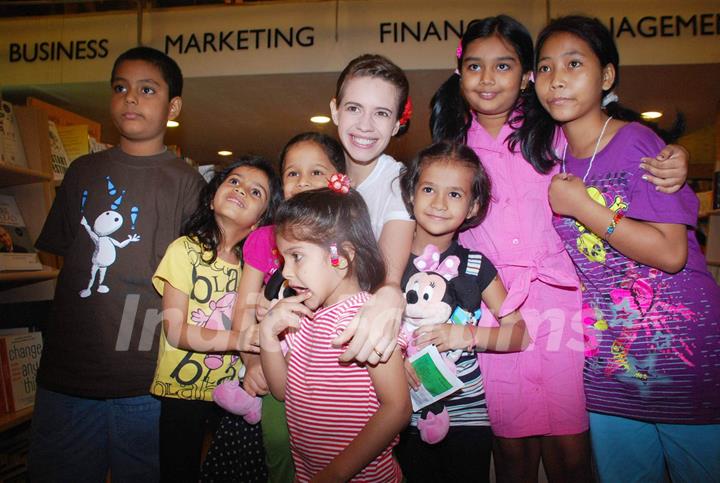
[[10, 420], [15, 175], [15, 278]]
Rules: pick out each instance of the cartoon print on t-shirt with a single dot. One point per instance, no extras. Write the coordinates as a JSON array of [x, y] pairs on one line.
[[105, 252], [588, 243]]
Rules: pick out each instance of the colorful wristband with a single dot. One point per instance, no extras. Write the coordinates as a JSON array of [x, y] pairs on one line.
[[613, 224]]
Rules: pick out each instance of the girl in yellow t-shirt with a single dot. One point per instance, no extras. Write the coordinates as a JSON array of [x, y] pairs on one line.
[[198, 278]]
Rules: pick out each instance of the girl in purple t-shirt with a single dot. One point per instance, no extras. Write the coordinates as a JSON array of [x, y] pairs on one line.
[[651, 309]]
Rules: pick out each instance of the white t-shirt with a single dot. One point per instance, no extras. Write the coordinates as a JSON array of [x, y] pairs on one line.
[[381, 192]]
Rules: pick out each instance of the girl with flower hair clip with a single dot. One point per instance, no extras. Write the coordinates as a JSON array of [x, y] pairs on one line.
[[344, 418]]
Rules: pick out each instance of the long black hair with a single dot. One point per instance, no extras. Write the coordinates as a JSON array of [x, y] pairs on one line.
[[202, 225], [324, 216], [450, 114], [537, 134]]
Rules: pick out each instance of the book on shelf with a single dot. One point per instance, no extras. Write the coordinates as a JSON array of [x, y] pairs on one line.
[[58, 155], [75, 139], [16, 247], [20, 358], [97, 146], [11, 147]]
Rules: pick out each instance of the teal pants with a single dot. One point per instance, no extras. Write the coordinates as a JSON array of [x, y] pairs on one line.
[[276, 440]]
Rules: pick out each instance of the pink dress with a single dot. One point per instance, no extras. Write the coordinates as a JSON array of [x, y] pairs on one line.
[[538, 391]]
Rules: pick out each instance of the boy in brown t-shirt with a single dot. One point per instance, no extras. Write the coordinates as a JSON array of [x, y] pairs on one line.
[[115, 213]]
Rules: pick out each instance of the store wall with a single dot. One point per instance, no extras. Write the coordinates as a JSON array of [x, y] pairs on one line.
[[321, 36]]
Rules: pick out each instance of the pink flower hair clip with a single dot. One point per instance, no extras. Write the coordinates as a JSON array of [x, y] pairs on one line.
[[458, 51], [339, 183]]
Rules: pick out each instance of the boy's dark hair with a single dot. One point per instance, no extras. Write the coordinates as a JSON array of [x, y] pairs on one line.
[[202, 225], [450, 115], [449, 152], [538, 133], [323, 217], [332, 149], [171, 72], [379, 67]]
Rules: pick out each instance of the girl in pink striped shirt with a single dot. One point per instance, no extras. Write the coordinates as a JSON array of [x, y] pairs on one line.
[[344, 418]]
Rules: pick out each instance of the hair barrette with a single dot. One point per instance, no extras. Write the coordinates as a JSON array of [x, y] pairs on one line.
[[407, 112], [339, 183], [458, 51], [334, 257], [609, 98]]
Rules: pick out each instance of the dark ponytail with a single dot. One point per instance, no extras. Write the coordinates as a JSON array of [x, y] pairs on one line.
[[449, 113], [534, 130], [618, 111]]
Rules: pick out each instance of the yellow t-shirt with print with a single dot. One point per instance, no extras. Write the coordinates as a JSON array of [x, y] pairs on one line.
[[211, 290]]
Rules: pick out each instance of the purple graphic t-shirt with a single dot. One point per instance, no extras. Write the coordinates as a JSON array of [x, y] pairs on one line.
[[652, 338]]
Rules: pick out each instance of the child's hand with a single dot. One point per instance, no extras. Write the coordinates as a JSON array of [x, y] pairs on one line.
[[282, 315], [261, 307], [668, 170], [567, 193], [249, 339], [411, 375], [254, 381], [445, 337]]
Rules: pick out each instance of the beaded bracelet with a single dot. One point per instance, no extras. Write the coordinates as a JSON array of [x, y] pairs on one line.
[[613, 224]]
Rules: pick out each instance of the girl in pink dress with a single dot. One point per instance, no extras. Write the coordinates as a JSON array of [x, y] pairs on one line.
[[535, 398]]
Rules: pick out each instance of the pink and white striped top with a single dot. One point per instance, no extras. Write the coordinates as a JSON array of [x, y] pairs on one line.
[[328, 402]]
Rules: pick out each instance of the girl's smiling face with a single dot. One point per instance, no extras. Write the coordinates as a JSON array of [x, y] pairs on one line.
[[242, 198], [306, 167], [570, 80], [443, 199], [491, 77], [366, 115]]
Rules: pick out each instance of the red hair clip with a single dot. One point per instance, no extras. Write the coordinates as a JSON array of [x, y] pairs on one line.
[[407, 112], [339, 183]]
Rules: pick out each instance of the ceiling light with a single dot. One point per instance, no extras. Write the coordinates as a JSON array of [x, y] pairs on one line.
[[320, 119], [224, 153], [648, 115], [173, 124]]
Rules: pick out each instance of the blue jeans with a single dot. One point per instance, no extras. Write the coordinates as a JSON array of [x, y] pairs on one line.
[[635, 451], [78, 440]]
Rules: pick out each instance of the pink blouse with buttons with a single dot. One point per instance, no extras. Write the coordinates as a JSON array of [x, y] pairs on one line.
[[538, 391]]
